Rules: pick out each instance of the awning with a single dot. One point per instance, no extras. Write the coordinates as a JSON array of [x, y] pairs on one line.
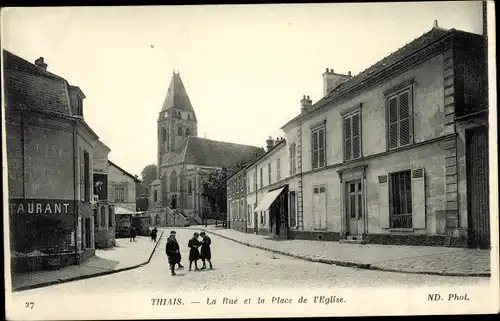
[[268, 200]]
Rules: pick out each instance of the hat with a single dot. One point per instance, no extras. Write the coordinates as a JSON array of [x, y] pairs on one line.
[[172, 232]]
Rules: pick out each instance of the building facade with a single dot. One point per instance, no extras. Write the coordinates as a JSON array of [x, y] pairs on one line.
[[121, 198], [49, 156], [237, 201], [379, 152], [396, 154], [104, 226]]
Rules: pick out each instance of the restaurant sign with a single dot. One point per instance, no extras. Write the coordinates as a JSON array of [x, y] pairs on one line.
[[28, 206]]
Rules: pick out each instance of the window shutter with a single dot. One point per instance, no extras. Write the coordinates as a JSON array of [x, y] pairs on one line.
[[383, 199], [404, 118], [418, 198], [393, 122], [355, 136]]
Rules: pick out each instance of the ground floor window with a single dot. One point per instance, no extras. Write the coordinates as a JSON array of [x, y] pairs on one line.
[[400, 200]]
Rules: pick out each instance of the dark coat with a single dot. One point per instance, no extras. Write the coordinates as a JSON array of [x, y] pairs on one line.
[[194, 252], [173, 251], [206, 254], [154, 232], [133, 232]]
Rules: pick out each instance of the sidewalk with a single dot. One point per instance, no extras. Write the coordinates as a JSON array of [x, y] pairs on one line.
[[124, 256], [394, 258]]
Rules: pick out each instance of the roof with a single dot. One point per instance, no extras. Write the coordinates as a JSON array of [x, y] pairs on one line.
[[206, 152], [282, 141], [29, 86], [177, 96], [124, 171], [434, 35]]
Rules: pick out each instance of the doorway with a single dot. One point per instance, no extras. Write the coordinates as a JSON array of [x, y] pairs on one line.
[[174, 201], [354, 207], [88, 233], [478, 213]]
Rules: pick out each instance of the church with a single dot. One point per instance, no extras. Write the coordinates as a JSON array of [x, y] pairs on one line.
[[184, 159]]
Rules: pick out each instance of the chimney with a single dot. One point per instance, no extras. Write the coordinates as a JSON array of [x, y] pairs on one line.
[[332, 80], [40, 63], [305, 104], [436, 24], [269, 143]]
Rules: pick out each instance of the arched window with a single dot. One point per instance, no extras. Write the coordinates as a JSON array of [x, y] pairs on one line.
[[188, 132], [189, 116], [163, 134], [173, 182], [179, 131], [103, 216], [156, 196], [167, 140], [190, 187]]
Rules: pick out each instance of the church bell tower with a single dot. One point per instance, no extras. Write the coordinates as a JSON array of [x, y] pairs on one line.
[[176, 120]]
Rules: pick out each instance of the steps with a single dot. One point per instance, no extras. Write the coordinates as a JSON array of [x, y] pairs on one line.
[[353, 239]]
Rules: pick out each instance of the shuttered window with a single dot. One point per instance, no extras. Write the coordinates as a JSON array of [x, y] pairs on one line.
[[293, 163], [278, 169], [269, 173], [318, 148], [261, 177], [399, 113], [352, 137], [120, 194], [400, 200]]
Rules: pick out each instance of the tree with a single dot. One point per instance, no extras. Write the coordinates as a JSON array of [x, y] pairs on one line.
[[148, 175], [214, 189]]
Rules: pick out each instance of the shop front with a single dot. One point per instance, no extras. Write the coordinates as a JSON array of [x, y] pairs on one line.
[[42, 233], [276, 203]]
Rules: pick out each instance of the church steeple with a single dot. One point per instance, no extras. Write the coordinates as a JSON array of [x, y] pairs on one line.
[[176, 121], [177, 97]]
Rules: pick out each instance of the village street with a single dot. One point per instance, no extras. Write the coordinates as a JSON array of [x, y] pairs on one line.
[[240, 267]]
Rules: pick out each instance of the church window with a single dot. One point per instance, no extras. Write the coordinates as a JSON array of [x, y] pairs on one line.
[[179, 131], [173, 182], [188, 132], [189, 116], [163, 135], [190, 187], [156, 196]]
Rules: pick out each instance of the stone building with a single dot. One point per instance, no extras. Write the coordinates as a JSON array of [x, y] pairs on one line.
[[121, 197], [379, 150], [49, 159], [236, 201], [185, 159]]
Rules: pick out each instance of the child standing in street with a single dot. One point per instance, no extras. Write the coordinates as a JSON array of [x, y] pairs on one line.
[[194, 254], [172, 250], [206, 253]]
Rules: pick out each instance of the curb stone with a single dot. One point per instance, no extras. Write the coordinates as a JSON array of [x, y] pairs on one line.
[[87, 276], [364, 266]]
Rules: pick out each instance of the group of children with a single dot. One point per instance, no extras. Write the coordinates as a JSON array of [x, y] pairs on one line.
[[197, 250]]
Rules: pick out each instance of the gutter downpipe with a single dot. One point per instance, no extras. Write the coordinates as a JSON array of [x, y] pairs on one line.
[[255, 213], [75, 183], [301, 179]]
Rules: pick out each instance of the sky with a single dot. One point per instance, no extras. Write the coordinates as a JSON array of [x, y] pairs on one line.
[[245, 67]]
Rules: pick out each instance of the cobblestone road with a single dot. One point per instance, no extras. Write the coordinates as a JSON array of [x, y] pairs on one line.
[[240, 267]]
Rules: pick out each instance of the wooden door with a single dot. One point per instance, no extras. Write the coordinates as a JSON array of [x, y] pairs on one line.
[[478, 187], [319, 207]]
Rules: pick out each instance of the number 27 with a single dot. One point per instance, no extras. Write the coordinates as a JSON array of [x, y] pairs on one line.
[[29, 305]]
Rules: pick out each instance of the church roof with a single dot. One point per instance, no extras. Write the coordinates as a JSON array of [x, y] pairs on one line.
[[206, 152], [177, 96]]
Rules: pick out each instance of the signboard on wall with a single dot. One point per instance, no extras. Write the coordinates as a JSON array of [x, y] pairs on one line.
[[100, 165], [101, 186], [43, 225]]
